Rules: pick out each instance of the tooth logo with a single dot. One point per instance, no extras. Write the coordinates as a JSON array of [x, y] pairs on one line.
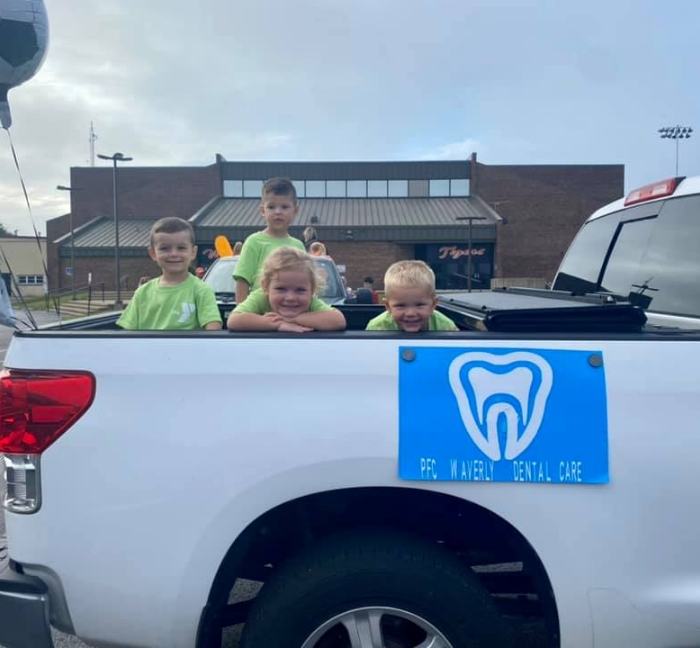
[[494, 384]]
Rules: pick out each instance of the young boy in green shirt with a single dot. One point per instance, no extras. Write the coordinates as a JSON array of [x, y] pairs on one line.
[[409, 298], [177, 300], [278, 207]]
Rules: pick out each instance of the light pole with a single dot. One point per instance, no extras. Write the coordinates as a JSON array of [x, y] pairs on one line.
[[72, 238], [470, 220], [675, 133], [117, 157]]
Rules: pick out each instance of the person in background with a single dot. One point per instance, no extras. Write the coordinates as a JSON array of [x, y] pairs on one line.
[[310, 236], [237, 247], [176, 300], [286, 300], [409, 298], [366, 294], [278, 207], [199, 272], [317, 249]]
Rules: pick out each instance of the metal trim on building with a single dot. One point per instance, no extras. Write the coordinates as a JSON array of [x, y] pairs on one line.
[[400, 220], [325, 213]]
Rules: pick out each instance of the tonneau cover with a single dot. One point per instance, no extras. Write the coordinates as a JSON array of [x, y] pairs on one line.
[[530, 310]]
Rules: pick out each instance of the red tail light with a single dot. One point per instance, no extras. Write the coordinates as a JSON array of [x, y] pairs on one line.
[[651, 191], [37, 407]]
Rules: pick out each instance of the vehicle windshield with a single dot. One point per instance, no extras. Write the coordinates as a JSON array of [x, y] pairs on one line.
[[220, 277]]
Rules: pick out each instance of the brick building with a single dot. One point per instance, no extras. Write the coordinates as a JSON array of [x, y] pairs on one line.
[[369, 214]]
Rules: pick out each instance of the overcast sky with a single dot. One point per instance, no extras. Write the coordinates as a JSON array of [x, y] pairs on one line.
[[173, 82]]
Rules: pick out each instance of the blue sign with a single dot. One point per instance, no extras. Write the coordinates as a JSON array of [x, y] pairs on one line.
[[499, 414]]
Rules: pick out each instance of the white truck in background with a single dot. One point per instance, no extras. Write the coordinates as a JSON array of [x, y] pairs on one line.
[[530, 478]]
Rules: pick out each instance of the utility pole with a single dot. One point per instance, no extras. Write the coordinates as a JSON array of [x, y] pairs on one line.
[[469, 220], [117, 157], [93, 137], [72, 237]]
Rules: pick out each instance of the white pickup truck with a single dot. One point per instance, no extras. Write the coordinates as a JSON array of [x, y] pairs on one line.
[[528, 480]]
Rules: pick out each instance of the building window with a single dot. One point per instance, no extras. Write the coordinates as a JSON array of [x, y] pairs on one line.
[[357, 189], [418, 188], [459, 187], [335, 188], [376, 188], [439, 188], [315, 188], [252, 188], [30, 280], [398, 188], [233, 188]]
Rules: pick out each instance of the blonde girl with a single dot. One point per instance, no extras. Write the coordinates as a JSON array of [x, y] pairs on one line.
[[286, 299], [317, 249]]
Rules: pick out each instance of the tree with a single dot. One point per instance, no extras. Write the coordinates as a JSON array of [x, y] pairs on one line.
[[5, 232]]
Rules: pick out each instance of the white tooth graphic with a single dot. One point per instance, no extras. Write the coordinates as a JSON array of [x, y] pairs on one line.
[[517, 383]]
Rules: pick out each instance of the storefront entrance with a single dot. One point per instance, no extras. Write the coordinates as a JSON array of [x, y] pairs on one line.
[[449, 262]]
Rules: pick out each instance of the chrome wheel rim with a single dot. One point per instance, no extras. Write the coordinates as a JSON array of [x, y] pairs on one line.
[[376, 627]]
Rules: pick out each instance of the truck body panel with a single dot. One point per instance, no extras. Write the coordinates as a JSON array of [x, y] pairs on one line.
[[190, 439]]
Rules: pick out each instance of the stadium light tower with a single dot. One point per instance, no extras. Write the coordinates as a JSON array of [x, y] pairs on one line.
[[675, 133], [117, 157]]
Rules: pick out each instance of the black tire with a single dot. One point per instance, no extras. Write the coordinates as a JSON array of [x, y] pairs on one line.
[[378, 570]]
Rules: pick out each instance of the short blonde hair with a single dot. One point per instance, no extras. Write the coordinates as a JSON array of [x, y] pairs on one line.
[[286, 259], [317, 248], [409, 274]]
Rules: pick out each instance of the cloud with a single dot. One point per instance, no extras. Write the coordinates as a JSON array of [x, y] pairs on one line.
[[460, 150], [170, 82]]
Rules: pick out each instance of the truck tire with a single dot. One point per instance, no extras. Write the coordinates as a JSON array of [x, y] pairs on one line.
[[385, 589]]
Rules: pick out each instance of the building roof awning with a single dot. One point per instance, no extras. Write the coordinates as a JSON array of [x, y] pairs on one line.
[[352, 213], [99, 233], [359, 219]]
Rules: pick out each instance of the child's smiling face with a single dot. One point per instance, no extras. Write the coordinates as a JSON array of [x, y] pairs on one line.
[[411, 308], [290, 293], [173, 253], [278, 212]]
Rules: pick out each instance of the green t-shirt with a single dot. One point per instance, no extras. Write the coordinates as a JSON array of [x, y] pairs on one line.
[[256, 249], [187, 306], [385, 322], [258, 303]]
